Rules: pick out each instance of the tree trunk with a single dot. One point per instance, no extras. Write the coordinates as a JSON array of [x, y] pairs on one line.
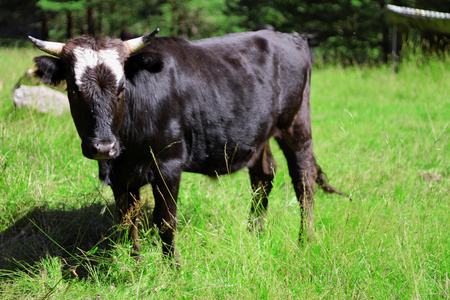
[[112, 27], [91, 21], [69, 24], [99, 18], [45, 29]]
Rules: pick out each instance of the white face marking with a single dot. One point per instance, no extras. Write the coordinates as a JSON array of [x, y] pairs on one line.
[[88, 58]]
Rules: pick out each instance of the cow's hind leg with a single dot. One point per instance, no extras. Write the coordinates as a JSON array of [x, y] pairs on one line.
[[261, 176], [128, 208], [302, 169]]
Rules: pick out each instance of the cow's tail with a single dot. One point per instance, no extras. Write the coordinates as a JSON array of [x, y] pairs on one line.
[[322, 182]]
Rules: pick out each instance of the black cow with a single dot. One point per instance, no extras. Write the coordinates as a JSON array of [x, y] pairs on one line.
[[147, 113]]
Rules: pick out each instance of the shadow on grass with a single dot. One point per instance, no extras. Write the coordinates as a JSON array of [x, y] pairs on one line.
[[69, 234]]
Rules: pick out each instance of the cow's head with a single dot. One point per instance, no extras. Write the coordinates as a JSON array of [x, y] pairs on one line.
[[94, 72]]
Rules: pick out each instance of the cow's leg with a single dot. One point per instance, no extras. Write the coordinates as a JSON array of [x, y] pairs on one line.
[[296, 143], [165, 191], [302, 169], [128, 207], [261, 177]]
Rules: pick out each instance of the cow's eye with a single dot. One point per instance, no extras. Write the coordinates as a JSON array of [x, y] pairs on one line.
[[121, 87]]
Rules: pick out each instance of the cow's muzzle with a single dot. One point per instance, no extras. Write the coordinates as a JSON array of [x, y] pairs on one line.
[[101, 150]]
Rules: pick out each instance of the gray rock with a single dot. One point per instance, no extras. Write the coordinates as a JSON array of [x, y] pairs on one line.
[[41, 98]]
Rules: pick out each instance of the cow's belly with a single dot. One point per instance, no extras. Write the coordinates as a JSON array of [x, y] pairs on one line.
[[224, 150], [224, 140], [220, 160]]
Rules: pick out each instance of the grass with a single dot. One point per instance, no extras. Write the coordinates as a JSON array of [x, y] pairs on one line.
[[381, 137]]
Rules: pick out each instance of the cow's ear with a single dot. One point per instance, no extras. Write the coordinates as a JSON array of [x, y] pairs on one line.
[[149, 61], [49, 69]]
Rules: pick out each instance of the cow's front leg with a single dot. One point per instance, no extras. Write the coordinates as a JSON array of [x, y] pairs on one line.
[[165, 191], [128, 208]]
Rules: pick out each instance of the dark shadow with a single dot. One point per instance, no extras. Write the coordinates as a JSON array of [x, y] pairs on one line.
[[68, 234]]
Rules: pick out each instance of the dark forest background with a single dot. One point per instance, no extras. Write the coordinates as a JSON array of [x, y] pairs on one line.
[[347, 30]]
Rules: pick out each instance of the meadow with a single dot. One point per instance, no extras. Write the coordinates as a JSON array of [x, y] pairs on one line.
[[381, 137]]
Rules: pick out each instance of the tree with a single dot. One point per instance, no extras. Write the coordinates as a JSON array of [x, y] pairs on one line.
[[348, 30], [52, 8]]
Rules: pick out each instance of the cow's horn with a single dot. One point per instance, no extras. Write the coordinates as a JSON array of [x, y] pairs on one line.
[[137, 44], [52, 48]]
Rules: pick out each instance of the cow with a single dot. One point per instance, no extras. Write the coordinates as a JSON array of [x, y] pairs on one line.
[[148, 109]]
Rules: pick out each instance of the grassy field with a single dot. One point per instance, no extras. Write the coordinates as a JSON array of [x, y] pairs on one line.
[[380, 137]]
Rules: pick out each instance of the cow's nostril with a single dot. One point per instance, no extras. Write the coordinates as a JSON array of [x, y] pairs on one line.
[[114, 149], [104, 150]]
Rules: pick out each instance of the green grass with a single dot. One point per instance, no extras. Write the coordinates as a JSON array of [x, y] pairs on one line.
[[381, 137]]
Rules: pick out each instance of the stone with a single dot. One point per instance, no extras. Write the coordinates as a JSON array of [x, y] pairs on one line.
[[41, 98]]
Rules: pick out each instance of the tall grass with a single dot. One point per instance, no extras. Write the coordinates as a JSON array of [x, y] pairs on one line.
[[382, 137]]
